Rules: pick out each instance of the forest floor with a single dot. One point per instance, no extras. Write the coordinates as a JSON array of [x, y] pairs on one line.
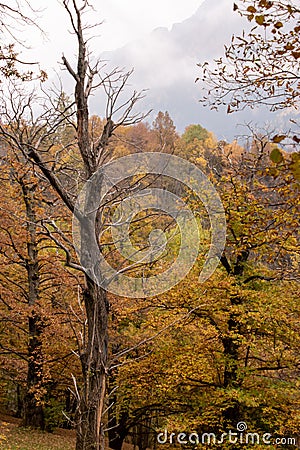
[[14, 437]]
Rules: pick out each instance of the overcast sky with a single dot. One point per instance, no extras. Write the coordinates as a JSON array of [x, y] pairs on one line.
[[126, 20], [123, 21], [164, 63]]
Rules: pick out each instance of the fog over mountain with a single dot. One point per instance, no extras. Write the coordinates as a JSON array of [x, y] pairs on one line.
[[165, 63]]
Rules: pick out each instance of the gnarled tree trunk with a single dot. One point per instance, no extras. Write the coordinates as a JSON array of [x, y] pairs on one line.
[[89, 428]]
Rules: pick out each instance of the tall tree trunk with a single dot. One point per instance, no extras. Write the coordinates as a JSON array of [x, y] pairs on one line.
[[89, 432], [231, 375], [231, 344], [33, 415], [19, 402], [231, 353]]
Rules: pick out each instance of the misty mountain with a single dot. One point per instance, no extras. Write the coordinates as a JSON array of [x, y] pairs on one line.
[[165, 63]]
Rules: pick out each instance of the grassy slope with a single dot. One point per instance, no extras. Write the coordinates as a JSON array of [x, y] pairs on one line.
[[12, 437]]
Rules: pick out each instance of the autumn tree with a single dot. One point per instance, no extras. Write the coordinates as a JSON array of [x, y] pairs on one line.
[[32, 304], [164, 132], [199, 146], [13, 253], [37, 144], [224, 351], [262, 66], [260, 221], [138, 138]]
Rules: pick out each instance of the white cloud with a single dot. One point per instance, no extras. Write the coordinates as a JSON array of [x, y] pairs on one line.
[[123, 21]]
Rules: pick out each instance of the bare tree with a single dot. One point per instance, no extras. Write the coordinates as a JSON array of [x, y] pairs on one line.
[[38, 139]]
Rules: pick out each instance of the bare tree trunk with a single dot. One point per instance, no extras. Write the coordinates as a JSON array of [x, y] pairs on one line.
[[89, 427], [93, 360]]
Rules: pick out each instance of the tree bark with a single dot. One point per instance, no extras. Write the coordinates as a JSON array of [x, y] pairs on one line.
[[33, 414], [231, 344], [89, 429], [231, 375]]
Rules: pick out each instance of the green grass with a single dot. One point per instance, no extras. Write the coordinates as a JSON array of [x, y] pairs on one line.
[[14, 437]]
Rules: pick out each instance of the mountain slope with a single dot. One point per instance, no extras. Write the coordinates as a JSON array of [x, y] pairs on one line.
[[165, 63]]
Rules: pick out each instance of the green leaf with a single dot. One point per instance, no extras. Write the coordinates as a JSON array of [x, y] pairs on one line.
[[276, 156], [295, 166]]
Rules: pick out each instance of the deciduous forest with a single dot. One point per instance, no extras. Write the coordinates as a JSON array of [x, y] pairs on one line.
[[99, 365]]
